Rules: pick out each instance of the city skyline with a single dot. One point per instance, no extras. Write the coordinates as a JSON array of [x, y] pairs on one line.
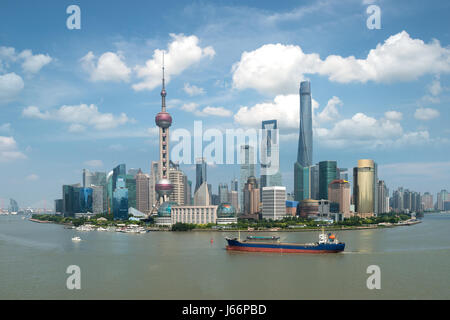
[[68, 113]]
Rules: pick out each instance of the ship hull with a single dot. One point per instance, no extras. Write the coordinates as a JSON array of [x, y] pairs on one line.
[[235, 245]]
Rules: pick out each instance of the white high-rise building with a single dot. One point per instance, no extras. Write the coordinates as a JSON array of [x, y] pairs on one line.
[[176, 177], [274, 202]]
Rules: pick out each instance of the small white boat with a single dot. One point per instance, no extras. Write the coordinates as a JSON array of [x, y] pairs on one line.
[[76, 239]]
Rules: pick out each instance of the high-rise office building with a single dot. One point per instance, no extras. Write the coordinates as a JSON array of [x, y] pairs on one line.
[[342, 174], [13, 206], [302, 168], [427, 201], [270, 155], [97, 199], [251, 196], [176, 177], [327, 174], [364, 186], [223, 193], [305, 140], [274, 202], [234, 185], [202, 196], [383, 197], [314, 181], [247, 162], [142, 192], [120, 200], [234, 199], [131, 186], [154, 178], [93, 178], [59, 206], [187, 190], [69, 199], [302, 182], [442, 196], [200, 172], [339, 193]]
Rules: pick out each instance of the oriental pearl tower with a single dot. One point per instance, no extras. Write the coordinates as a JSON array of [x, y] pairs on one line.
[[163, 120]]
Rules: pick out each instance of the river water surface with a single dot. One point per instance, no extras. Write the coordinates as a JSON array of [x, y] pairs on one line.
[[414, 263]]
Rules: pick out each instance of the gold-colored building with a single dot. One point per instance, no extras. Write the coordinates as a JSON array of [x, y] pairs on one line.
[[364, 189]]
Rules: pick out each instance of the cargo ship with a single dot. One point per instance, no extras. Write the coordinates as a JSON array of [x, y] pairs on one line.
[[328, 243]]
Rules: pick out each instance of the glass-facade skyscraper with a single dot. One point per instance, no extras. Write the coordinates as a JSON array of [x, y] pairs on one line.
[[120, 200], [305, 138], [270, 155], [327, 173], [200, 173], [302, 168]]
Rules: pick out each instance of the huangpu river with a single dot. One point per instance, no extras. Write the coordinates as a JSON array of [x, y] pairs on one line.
[[413, 260]]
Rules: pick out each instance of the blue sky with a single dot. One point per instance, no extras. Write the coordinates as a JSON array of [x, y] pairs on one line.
[[74, 99]]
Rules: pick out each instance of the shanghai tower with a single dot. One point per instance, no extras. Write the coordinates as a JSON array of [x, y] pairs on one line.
[[304, 154], [302, 168]]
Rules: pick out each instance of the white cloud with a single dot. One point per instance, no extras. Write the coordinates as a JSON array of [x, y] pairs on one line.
[[284, 108], [7, 55], [360, 131], [426, 114], [206, 111], [435, 87], [330, 112], [33, 63], [32, 177], [108, 67], [216, 111], [182, 53], [189, 107], [79, 116], [10, 86], [393, 115], [277, 68], [193, 90], [94, 163], [8, 150]]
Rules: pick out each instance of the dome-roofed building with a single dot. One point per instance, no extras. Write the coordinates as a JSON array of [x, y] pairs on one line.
[[165, 213], [226, 214]]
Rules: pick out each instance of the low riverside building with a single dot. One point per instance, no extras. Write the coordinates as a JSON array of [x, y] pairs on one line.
[[170, 213], [194, 214]]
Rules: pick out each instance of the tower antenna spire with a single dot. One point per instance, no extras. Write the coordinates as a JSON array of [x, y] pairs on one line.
[[163, 81]]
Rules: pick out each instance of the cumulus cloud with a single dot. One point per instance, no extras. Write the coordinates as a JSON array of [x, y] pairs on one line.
[[277, 68], [9, 150], [10, 86], [284, 108], [79, 117], [33, 63], [206, 111], [193, 90], [330, 112], [108, 67], [393, 115], [426, 114], [183, 52], [94, 163], [30, 63], [329, 128]]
